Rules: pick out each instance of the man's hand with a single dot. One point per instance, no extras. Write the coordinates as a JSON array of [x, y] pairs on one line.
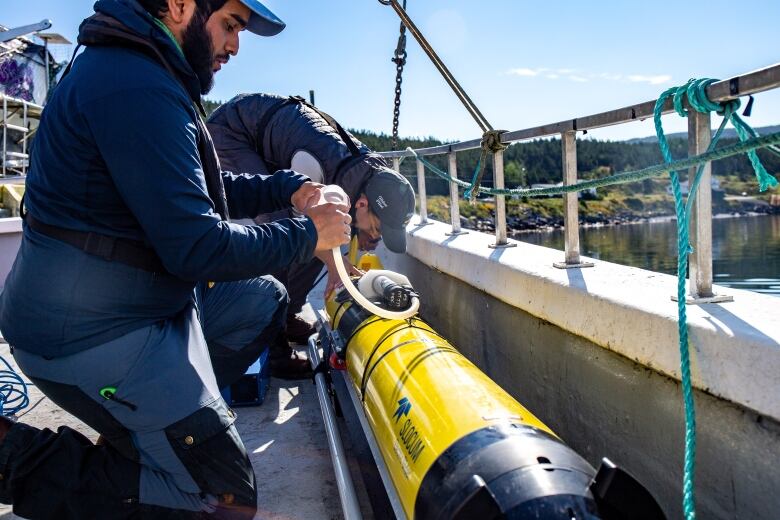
[[306, 196], [333, 224]]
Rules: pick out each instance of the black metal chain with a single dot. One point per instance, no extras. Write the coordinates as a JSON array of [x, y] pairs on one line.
[[399, 58], [483, 123]]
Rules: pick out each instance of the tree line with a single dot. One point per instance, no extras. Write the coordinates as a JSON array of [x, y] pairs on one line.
[[539, 161]]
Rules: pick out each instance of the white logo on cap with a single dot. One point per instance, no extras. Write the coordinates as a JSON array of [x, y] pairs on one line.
[[381, 202]]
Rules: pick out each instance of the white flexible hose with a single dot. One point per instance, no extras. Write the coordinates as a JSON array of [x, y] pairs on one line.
[[363, 301], [334, 193]]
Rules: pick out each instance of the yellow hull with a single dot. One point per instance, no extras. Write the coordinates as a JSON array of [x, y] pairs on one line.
[[420, 395], [455, 445]]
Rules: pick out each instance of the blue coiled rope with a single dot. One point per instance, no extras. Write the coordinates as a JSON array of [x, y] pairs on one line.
[[13, 391]]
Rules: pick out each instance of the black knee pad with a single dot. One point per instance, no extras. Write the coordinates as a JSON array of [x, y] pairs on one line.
[[211, 450]]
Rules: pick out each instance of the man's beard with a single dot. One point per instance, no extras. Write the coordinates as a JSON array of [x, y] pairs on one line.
[[199, 50]]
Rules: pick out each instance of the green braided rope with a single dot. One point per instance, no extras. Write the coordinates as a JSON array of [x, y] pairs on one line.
[[656, 170], [695, 92], [683, 249]]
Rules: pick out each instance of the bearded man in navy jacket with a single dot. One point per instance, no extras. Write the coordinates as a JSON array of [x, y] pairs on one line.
[[133, 299]]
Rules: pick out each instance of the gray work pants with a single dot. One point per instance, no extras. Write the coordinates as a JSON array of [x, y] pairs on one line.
[[172, 449]]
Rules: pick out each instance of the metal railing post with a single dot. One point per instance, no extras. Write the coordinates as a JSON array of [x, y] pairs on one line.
[[26, 157], [397, 164], [498, 183], [700, 225], [454, 196], [571, 223], [421, 192], [5, 132]]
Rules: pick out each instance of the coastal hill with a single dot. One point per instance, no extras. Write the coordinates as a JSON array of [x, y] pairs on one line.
[[728, 133]]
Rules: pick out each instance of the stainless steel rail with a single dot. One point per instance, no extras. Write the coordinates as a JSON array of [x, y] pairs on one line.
[[699, 132], [373, 445], [349, 502]]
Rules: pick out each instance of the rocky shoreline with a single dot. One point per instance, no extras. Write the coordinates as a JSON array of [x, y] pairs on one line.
[[534, 222]]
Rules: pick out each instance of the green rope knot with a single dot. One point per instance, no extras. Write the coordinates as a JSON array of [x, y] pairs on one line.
[[491, 143], [695, 91]]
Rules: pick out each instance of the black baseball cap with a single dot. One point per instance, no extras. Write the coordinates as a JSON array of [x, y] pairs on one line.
[[261, 20], [391, 198]]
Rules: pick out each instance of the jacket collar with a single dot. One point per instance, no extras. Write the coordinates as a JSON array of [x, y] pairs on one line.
[[126, 23]]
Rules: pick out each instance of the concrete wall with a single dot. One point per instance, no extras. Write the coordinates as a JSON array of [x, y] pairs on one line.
[[604, 404]]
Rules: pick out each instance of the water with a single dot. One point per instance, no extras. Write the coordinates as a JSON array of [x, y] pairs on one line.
[[745, 250]]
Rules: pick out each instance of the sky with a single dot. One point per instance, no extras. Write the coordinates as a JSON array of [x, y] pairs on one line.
[[523, 63]]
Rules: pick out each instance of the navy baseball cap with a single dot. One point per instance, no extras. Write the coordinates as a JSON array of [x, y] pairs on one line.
[[391, 198], [262, 21]]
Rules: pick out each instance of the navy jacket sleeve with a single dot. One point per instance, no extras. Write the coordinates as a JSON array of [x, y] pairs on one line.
[[251, 195], [148, 139]]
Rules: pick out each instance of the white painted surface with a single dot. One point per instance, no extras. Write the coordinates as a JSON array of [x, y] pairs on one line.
[[735, 347], [10, 225], [10, 239]]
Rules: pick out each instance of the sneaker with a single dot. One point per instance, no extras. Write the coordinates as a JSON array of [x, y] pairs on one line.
[[299, 330]]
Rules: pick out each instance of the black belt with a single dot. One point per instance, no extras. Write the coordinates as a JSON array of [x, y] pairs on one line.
[[112, 249]]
